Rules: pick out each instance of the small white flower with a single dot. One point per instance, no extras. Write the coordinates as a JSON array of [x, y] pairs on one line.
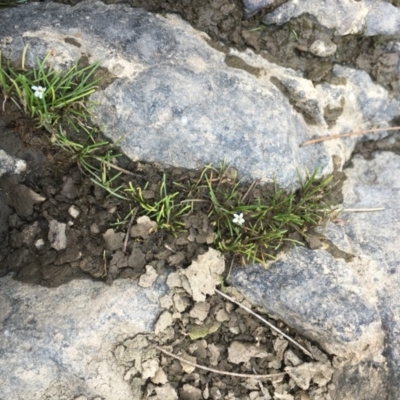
[[38, 91], [238, 219]]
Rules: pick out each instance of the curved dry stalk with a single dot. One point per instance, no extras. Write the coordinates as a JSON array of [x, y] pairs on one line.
[[217, 371], [361, 209], [125, 245], [322, 139], [305, 351], [121, 169]]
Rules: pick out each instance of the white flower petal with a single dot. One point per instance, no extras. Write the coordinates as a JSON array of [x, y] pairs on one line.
[[238, 219]]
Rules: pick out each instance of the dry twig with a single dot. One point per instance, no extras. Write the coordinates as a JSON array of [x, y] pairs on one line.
[[361, 209], [129, 228], [217, 371], [125, 171], [305, 351], [322, 139]]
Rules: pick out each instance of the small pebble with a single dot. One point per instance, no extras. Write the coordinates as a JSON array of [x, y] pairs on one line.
[[74, 211], [235, 330], [94, 229], [322, 48], [39, 243]]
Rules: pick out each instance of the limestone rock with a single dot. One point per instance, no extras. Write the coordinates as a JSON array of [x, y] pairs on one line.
[[61, 340], [176, 100], [10, 164], [252, 6], [57, 236], [369, 17], [349, 307]]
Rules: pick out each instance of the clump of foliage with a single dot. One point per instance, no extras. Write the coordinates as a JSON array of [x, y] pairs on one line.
[[248, 219]]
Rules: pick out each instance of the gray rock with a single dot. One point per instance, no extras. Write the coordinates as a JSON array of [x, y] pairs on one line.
[[323, 48], [20, 197], [10, 165], [382, 18], [369, 17], [57, 236], [175, 101], [317, 296], [252, 6], [349, 307], [61, 341]]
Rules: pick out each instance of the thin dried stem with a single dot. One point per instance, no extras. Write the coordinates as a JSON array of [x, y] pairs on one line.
[[362, 209], [125, 245], [305, 351], [122, 169], [261, 387], [322, 139], [217, 371], [251, 188]]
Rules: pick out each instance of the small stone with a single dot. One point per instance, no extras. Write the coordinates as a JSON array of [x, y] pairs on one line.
[[292, 359], [149, 368], [321, 48], [130, 373], [181, 302], [39, 243], [113, 239], [234, 329], [214, 354], [73, 211], [137, 259], [190, 392], [159, 377], [166, 301], [303, 374], [200, 310], [166, 392], [20, 166], [69, 190], [147, 279], [187, 367], [222, 316], [57, 235], [252, 6], [143, 228], [204, 274], [94, 229], [174, 280], [239, 352], [164, 321]]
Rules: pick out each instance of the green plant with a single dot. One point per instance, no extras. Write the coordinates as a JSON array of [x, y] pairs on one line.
[[50, 96], [256, 227], [95, 156], [57, 101], [165, 211], [294, 35], [11, 3], [252, 226]]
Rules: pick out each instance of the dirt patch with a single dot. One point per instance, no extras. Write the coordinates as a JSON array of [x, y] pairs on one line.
[[230, 353], [62, 226]]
